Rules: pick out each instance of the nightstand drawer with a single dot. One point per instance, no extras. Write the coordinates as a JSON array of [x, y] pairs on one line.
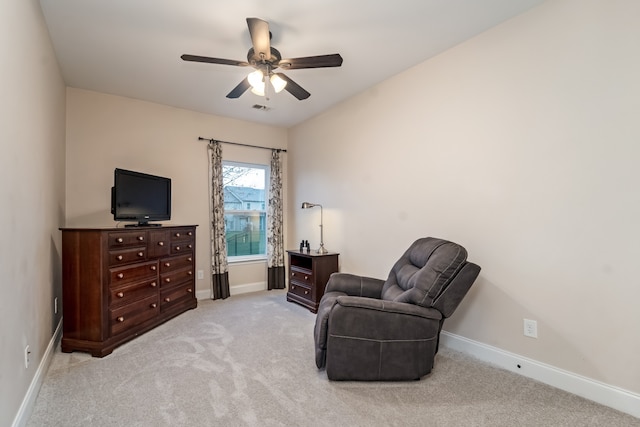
[[302, 290], [301, 275]]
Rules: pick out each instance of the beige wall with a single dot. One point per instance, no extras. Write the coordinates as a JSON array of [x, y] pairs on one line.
[[520, 144], [32, 111], [105, 132]]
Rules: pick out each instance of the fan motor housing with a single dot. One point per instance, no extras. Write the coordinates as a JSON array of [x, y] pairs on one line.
[[256, 60]]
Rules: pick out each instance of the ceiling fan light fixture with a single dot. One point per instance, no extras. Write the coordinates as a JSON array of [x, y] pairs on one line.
[[258, 91], [256, 80], [278, 83]]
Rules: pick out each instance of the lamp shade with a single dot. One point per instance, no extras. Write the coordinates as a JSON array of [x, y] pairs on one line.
[[256, 80], [278, 83]]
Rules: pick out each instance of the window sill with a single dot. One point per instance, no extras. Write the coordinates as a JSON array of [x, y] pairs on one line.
[[249, 259]]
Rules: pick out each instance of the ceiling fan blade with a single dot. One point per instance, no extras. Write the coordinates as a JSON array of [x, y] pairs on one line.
[[240, 89], [320, 61], [294, 88], [260, 37], [195, 58]]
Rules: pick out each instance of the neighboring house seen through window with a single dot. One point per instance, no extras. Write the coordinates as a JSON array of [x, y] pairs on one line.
[[245, 216]]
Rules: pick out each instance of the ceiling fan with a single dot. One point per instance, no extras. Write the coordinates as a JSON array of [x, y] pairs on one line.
[[265, 59]]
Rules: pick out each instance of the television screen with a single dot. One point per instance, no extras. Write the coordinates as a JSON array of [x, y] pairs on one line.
[[140, 197]]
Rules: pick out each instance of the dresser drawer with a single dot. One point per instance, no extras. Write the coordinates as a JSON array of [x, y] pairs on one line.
[[181, 247], [302, 290], [121, 239], [129, 293], [175, 277], [124, 317], [182, 234], [127, 256], [176, 263], [176, 295], [121, 275], [159, 243], [301, 275]]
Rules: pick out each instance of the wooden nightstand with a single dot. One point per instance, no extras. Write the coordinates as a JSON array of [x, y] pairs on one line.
[[308, 276]]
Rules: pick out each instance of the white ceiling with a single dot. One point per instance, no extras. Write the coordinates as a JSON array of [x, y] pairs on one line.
[[132, 48]]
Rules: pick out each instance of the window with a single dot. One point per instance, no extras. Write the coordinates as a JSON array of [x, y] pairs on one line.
[[245, 216]]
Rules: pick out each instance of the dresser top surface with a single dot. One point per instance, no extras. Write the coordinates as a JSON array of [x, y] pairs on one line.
[[134, 228]]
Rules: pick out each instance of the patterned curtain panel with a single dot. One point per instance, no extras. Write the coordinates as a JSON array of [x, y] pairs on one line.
[[219, 265], [275, 244]]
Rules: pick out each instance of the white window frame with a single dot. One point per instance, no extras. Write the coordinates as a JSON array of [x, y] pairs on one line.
[[255, 257]]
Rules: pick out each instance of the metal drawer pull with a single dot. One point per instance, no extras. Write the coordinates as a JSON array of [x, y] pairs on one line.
[[120, 319], [167, 299], [120, 295], [154, 268], [153, 284], [190, 273], [190, 233], [306, 292], [140, 254], [119, 240], [141, 238], [167, 264], [167, 280], [177, 234], [119, 257], [153, 305], [177, 248], [306, 277], [190, 246], [120, 276], [189, 259], [160, 243], [190, 290], [293, 287]]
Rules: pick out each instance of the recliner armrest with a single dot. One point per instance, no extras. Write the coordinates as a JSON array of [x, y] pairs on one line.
[[354, 285], [389, 307]]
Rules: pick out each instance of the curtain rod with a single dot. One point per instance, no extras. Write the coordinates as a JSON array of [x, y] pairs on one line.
[[243, 145]]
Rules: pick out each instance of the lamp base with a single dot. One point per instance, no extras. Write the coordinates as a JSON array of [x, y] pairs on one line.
[[321, 250]]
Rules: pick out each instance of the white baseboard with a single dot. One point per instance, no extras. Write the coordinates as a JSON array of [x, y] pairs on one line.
[[234, 290], [203, 294], [26, 408], [599, 392], [247, 287]]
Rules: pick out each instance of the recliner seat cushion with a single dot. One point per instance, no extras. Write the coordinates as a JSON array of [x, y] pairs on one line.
[[423, 271]]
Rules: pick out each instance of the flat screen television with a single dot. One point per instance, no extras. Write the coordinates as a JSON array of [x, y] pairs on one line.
[[140, 197]]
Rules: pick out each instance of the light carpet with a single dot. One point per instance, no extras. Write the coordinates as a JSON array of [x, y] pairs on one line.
[[249, 361]]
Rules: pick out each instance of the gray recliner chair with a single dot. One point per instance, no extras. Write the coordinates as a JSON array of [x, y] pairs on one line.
[[371, 329]]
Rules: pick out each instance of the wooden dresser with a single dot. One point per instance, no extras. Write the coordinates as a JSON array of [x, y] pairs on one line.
[[308, 276], [118, 283]]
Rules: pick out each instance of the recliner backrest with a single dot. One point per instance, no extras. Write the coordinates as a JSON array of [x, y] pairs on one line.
[[424, 271]]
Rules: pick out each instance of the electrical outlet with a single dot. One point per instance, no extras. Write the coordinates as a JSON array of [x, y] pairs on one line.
[[27, 353], [530, 328], [55, 305], [200, 274]]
